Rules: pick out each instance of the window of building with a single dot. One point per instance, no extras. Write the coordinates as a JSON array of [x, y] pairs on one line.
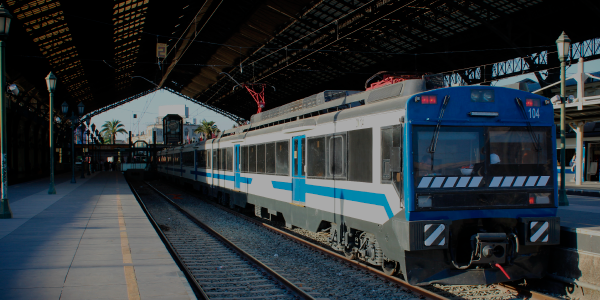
[[360, 155]]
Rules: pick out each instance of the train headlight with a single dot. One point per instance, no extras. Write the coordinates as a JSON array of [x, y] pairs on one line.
[[539, 198], [424, 200]]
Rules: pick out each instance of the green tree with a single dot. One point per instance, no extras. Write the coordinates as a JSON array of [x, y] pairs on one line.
[[207, 127], [110, 129]]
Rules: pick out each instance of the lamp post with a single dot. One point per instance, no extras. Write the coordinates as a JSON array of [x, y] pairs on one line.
[[65, 110], [88, 155], [74, 120], [5, 18], [98, 157], [83, 128], [93, 158], [563, 43], [51, 83]]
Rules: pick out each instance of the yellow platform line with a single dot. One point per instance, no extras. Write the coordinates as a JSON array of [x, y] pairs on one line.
[[133, 292]]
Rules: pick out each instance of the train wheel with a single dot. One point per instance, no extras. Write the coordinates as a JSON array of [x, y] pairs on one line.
[[349, 253], [390, 267]]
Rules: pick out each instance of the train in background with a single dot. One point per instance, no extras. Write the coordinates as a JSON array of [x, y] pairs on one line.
[[449, 185]]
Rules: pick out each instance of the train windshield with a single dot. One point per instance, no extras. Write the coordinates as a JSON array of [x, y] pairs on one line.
[[482, 151]]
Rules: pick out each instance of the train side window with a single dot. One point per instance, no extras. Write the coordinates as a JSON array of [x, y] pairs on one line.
[[230, 159], [391, 155], [244, 159], [215, 159], [270, 158], [208, 158], [203, 162], [336, 156], [316, 156], [223, 159], [360, 155], [260, 158], [282, 157], [252, 159], [188, 159], [303, 158]]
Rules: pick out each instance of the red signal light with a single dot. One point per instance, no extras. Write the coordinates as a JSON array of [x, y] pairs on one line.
[[429, 99], [532, 102], [531, 199]]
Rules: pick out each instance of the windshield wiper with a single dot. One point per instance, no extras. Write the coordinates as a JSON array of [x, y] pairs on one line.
[[536, 142], [436, 132]]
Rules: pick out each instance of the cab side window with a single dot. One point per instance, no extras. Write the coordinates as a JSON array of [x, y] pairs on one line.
[[391, 155]]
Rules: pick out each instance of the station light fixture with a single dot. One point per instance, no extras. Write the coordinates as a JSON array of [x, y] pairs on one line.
[[5, 18], [80, 108], [563, 43], [65, 108], [51, 82]]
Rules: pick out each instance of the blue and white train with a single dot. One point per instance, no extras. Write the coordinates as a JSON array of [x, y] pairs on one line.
[[450, 185]]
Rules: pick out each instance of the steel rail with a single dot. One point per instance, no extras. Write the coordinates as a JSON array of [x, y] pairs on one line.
[[527, 293], [289, 285], [188, 273], [418, 290], [533, 295]]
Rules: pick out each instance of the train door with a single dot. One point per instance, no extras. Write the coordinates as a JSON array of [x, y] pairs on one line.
[[236, 165], [298, 173]]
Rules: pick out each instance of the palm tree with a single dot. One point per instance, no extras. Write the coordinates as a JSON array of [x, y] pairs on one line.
[[110, 129], [208, 128]]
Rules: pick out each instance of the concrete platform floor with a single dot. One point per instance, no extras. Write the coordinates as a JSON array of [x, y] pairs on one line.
[[89, 241]]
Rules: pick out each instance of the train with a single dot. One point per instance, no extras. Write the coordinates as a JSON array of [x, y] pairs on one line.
[[451, 185]]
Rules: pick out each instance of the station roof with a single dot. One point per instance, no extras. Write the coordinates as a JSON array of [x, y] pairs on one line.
[[106, 51]]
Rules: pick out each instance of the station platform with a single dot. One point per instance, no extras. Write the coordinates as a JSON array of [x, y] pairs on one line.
[[577, 259], [91, 240], [588, 188]]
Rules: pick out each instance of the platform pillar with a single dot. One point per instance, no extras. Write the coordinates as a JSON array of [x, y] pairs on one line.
[[579, 153], [5, 211]]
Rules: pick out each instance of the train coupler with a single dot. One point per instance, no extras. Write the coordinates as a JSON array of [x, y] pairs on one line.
[[490, 248]]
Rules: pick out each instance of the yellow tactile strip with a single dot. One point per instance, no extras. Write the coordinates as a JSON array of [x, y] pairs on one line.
[[132, 287]]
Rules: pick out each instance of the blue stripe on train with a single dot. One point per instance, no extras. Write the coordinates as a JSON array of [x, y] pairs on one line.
[[245, 180], [351, 195]]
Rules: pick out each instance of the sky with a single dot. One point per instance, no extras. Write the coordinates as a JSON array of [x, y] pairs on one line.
[[146, 108]]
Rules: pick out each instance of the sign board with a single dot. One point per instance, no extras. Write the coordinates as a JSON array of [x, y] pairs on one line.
[[173, 129], [161, 50]]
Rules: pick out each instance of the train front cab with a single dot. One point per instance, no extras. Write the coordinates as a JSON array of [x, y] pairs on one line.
[[479, 186]]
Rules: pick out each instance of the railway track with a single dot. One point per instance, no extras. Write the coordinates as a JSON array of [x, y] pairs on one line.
[[204, 253], [436, 291]]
